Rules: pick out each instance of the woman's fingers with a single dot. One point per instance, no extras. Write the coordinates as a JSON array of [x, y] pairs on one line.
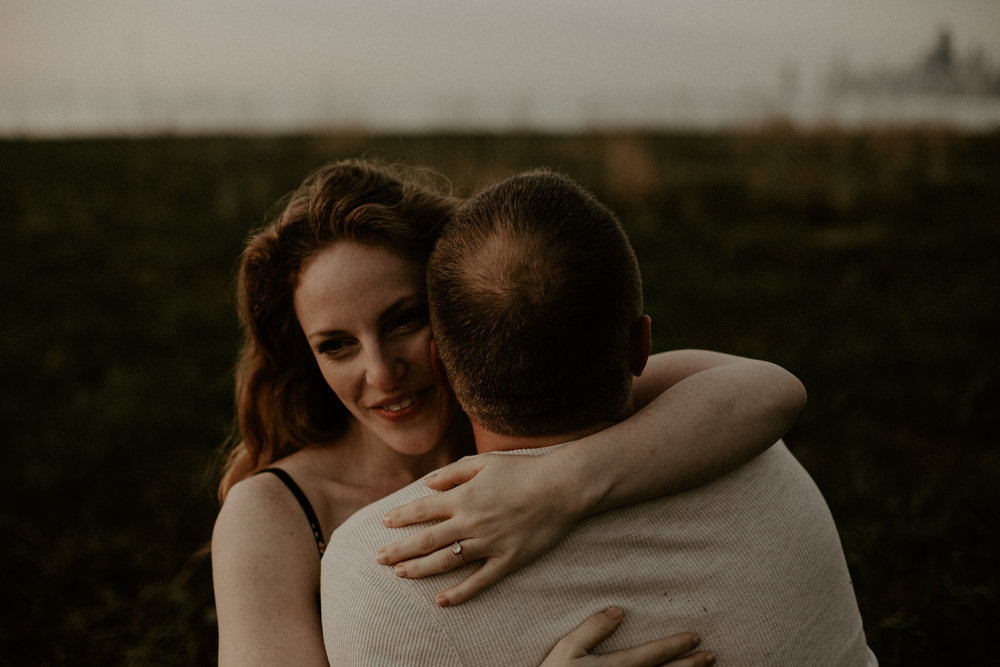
[[441, 560], [484, 577], [420, 544], [699, 659], [575, 647], [426, 508], [584, 637], [445, 560], [456, 473], [659, 652], [594, 630]]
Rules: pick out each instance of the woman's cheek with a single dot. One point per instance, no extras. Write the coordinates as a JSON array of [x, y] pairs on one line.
[[335, 379], [422, 346]]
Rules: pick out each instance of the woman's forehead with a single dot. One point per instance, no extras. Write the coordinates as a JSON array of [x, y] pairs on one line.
[[350, 281]]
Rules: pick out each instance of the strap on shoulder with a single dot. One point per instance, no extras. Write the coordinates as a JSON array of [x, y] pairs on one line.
[[304, 502]]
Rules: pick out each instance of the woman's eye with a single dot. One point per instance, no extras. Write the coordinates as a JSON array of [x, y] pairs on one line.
[[332, 346], [410, 319]]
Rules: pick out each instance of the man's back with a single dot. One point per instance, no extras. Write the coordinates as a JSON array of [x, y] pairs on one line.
[[751, 562]]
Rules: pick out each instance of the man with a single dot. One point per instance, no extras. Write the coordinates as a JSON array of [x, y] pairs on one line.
[[536, 309]]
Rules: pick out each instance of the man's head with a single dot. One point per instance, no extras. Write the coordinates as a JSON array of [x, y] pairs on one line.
[[536, 307]]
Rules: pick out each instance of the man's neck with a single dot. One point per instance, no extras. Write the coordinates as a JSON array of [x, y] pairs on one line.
[[487, 441]]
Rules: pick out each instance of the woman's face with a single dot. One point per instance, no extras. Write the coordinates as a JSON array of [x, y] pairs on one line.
[[364, 312]]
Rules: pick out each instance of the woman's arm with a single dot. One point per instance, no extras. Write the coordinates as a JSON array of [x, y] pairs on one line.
[[266, 575], [703, 414], [700, 415]]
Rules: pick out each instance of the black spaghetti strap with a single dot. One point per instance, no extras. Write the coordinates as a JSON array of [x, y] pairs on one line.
[[304, 502]]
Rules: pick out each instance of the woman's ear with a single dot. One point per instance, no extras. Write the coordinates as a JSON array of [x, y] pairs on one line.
[[640, 345]]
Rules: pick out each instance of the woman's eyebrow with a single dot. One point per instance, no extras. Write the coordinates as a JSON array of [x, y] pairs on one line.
[[327, 333]]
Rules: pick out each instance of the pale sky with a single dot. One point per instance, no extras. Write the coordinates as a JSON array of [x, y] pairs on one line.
[[123, 63]]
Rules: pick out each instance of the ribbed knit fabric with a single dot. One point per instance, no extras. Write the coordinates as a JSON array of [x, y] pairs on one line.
[[751, 562]]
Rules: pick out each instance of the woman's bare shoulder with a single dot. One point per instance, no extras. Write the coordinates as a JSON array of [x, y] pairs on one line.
[[266, 577], [258, 497], [261, 521]]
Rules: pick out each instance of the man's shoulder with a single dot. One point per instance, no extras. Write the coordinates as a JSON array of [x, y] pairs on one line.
[[365, 528], [349, 569], [371, 616]]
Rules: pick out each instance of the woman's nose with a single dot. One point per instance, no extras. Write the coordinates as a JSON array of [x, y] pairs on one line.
[[384, 369]]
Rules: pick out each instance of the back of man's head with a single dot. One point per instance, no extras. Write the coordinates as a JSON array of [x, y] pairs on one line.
[[534, 294]]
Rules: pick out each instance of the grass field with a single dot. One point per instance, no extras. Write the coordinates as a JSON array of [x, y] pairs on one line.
[[866, 262]]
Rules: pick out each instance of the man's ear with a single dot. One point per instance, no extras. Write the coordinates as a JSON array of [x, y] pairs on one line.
[[640, 345], [437, 367]]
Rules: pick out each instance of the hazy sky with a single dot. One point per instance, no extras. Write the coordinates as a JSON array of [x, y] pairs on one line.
[[76, 61]]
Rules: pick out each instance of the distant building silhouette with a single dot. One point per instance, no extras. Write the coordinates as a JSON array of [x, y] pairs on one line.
[[940, 59], [940, 72]]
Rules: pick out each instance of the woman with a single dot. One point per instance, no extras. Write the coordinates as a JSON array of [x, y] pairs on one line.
[[337, 400]]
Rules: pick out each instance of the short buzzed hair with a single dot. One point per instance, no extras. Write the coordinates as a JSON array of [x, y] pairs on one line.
[[534, 291]]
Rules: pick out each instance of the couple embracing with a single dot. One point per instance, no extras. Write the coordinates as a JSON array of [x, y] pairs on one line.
[[607, 480]]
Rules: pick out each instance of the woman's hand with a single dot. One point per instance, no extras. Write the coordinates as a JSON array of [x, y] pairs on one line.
[[505, 510], [573, 649]]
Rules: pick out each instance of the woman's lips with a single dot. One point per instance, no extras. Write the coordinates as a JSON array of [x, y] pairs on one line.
[[396, 407], [401, 408]]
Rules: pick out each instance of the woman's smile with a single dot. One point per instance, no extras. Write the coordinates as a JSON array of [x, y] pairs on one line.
[[398, 409]]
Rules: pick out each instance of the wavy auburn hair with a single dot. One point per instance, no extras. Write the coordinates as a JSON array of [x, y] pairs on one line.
[[282, 401]]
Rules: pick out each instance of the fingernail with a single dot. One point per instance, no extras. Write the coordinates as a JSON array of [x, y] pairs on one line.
[[695, 640], [399, 571], [380, 557], [386, 521], [613, 612], [441, 601], [429, 476], [710, 659]]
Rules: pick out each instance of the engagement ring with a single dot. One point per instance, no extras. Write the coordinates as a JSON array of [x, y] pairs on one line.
[[456, 549]]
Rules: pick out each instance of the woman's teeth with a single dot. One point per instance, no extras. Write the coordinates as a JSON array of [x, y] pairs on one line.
[[396, 407]]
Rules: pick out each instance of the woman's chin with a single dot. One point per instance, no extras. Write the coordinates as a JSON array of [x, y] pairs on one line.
[[421, 433], [414, 439]]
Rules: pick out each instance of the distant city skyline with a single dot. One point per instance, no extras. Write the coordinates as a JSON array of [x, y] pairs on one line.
[[129, 66]]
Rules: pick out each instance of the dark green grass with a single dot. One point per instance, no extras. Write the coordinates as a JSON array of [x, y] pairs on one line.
[[867, 263]]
